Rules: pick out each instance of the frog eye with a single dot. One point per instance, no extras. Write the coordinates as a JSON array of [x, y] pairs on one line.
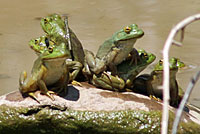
[[45, 20], [36, 41], [50, 49], [127, 29], [160, 62], [145, 54]]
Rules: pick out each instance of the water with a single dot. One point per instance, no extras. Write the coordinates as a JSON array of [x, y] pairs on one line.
[[93, 22]]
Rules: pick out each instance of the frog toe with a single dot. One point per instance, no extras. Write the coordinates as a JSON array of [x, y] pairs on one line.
[[31, 94], [49, 94], [155, 98], [76, 83]]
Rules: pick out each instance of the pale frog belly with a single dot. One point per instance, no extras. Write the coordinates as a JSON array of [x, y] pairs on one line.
[[53, 76]]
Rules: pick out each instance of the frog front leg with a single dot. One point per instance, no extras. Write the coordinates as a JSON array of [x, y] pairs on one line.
[[44, 90], [40, 75], [74, 67], [95, 65], [135, 58], [108, 81]]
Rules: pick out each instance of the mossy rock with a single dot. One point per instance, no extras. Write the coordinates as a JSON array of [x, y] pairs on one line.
[[68, 116]]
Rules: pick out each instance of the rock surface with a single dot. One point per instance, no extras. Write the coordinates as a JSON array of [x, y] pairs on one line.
[[87, 110]]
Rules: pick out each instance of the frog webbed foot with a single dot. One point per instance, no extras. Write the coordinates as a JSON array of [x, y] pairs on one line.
[[76, 83], [44, 90], [155, 98], [49, 94], [32, 94]]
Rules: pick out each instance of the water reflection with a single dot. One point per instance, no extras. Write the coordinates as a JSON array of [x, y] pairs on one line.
[[93, 22]]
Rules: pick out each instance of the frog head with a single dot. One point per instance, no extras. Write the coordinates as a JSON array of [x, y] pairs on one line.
[[53, 24], [179, 63], [130, 71], [129, 32], [173, 65], [39, 44], [48, 49], [146, 58], [55, 51]]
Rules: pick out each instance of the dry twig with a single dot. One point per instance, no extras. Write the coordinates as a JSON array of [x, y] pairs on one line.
[[184, 101], [180, 26]]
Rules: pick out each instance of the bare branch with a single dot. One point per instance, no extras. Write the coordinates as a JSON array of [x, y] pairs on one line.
[[180, 26], [68, 32], [183, 102], [182, 34], [179, 44]]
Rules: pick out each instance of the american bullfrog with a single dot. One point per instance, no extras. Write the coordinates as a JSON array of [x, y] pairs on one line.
[[127, 72], [179, 63], [42, 44], [114, 50], [58, 30], [152, 84], [49, 71]]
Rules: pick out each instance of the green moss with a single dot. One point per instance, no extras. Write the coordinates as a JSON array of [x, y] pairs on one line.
[[50, 120]]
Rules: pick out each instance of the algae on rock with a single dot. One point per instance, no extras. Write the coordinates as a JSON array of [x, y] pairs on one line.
[[49, 119]]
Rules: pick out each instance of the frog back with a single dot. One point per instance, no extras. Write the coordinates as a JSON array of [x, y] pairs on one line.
[[77, 48], [104, 49]]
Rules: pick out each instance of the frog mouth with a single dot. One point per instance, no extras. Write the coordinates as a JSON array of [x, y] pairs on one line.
[[53, 57]]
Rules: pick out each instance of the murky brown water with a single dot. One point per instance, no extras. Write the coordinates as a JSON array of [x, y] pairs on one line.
[[93, 22]]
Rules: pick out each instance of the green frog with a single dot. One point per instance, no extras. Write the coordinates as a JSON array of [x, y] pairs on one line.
[[42, 44], [179, 63], [49, 71], [127, 72], [151, 85], [113, 51], [58, 30]]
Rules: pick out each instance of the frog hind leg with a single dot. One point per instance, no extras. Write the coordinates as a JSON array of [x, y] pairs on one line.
[[174, 94], [108, 81], [44, 89], [22, 78], [76, 67]]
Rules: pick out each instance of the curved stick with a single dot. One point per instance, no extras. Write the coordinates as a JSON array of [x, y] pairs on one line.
[[180, 26], [183, 102]]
